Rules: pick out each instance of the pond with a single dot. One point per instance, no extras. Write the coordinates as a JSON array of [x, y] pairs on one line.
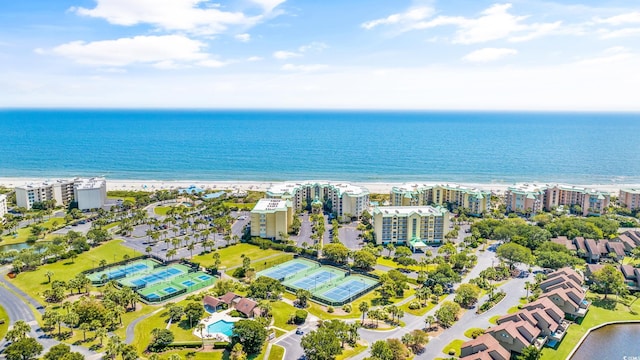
[[18, 246], [612, 342]]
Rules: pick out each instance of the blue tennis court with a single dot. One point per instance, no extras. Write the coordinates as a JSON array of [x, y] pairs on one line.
[[157, 277], [314, 280], [188, 283], [281, 272], [204, 277], [345, 290], [169, 290], [126, 270]]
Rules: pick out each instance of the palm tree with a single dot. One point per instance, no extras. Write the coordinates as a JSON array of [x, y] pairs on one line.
[[190, 247], [84, 327], [49, 274], [148, 250], [103, 263], [118, 310], [100, 334], [171, 253], [66, 305], [429, 320], [363, 307], [200, 328]]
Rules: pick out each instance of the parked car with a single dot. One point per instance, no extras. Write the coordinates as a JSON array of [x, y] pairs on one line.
[[299, 331]]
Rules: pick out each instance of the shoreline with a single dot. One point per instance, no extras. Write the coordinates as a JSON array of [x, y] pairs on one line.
[[242, 185]]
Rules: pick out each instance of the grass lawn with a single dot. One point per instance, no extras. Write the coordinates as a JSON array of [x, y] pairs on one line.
[[5, 326], [230, 256], [279, 333], [351, 352], [111, 226], [161, 210], [470, 331], [600, 311], [277, 352], [241, 206], [422, 310], [455, 346], [494, 319], [281, 313], [390, 263], [372, 298], [24, 233], [129, 198], [513, 309], [181, 330], [34, 282]]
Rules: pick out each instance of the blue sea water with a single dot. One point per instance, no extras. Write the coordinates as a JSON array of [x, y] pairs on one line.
[[581, 148]]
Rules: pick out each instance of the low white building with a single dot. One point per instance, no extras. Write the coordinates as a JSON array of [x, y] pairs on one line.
[[3, 206], [90, 193]]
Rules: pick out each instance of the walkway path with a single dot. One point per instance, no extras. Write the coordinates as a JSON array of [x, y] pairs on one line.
[[16, 303], [132, 325]]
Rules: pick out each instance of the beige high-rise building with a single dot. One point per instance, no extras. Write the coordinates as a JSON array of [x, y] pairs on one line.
[[61, 191], [407, 225], [342, 199], [475, 201], [271, 218], [3, 206], [630, 198], [531, 198]]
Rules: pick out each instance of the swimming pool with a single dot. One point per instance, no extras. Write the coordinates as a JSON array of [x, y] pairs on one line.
[[221, 327]]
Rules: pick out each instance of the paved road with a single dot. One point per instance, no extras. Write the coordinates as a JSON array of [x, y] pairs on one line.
[[17, 309]]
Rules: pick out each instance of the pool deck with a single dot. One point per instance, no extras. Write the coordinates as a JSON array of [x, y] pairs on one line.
[[215, 317]]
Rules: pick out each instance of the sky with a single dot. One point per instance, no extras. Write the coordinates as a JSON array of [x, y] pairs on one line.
[[328, 54]]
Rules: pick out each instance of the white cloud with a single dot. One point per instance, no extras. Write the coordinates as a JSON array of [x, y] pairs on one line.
[[165, 52], [489, 54], [409, 17], [284, 55], [304, 68], [313, 46], [243, 37], [494, 23], [622, 19], [254, 58], [211, 63], [194, 16], [620, 33]]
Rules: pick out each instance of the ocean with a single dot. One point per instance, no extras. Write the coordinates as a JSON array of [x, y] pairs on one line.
[[359, 146]]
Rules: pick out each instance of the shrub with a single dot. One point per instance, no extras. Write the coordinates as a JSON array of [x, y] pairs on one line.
[[347, 308], [300, 317], [236, 313], [330, 309], [452, 352], [477, 332], [414, 305]]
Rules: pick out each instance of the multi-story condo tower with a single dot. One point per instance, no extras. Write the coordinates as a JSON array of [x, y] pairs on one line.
[[3, 206], [475, 201], [344, 200], [271, 218], [630, 198], [410, 225], [88, 193], [531, 198]]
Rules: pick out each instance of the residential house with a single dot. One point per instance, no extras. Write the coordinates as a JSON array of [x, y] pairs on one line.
[[484, 347], [570, 300], [247, 307], [515, 336], [564, 241], [630, 239], [565, 274]]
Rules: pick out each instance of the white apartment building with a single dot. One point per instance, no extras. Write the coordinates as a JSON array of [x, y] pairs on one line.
[[271, 218], [90, 193], [476, 201], [3, 206], [342, 199], [408, 225]]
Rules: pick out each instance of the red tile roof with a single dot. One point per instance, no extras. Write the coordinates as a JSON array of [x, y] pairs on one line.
[[246, 306]]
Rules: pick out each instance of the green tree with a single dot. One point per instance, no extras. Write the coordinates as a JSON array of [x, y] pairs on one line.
[[336, 252], [447, 314], [23, 349], [61, 352], [467, 295], [530, 353], [380, 350], [363, 307], [19, 331], [321, 344], [364, 259], [161, 338], [609, 280], [251, 334], [49, 275], [265, 288], [175, 313], [237, 352], [514, 254], [193, 311], [389, 247], [303, 296]]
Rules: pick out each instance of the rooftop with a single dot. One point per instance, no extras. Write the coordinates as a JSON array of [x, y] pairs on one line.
[[292, 187], [631, 191], [44, 184], [408, 210], [269, 205], [92, 183]]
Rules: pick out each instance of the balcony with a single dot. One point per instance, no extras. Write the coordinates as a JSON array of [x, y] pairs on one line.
[[560, 332]]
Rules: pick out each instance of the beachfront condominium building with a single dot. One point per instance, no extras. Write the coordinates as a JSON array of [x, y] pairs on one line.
[[629, 198], [271, 218], [3, 206], [90, 193], [452, 196], [531, 198], [59, 191], [409, 225], [344, 200]]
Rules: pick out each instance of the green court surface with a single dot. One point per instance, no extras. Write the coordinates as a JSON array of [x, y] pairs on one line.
[[176, 286]]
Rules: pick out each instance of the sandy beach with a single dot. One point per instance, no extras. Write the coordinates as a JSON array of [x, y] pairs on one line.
[[374, 187]]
